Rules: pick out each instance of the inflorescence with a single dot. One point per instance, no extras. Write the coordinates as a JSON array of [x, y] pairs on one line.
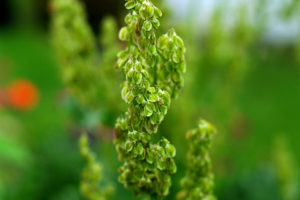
[[198, 182], [92, 174], [153, 70]]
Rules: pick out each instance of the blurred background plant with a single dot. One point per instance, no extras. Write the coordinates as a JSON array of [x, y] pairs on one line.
[[92, 174], [198, 182], [242, 75]]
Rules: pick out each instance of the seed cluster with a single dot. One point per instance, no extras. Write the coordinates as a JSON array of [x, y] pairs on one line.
[[92, 174], [153, 70], [75, 46], [198, 182]]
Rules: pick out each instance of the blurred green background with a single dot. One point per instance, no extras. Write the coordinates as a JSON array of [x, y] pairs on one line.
[[243, 75]]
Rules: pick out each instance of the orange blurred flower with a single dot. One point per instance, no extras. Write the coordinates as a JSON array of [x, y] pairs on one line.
[[22, 94]]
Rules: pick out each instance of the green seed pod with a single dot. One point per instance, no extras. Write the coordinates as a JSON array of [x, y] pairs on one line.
[[160, 164], [124, 34], [128, 19], [130, 4], [129, 97], [152, 49], [137, 78], [123, 54], [156, 23], [176, 57], [142, 12], [140, 149], [124, 92], [154, 119], [157, 12], [150, 157], [140, 99], [128, 146], [149, 11], [148, 110], [147, 26], [153, 98], [179, 41], [171, 151]]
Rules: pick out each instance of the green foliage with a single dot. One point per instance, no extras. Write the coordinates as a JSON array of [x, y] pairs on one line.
[[220, 70], [1, 189], [11, 150], [92, 174], [153, 69], [227, 48], [198, 182], [290, 11], [290, 8], [285, 168], [259, 184]]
